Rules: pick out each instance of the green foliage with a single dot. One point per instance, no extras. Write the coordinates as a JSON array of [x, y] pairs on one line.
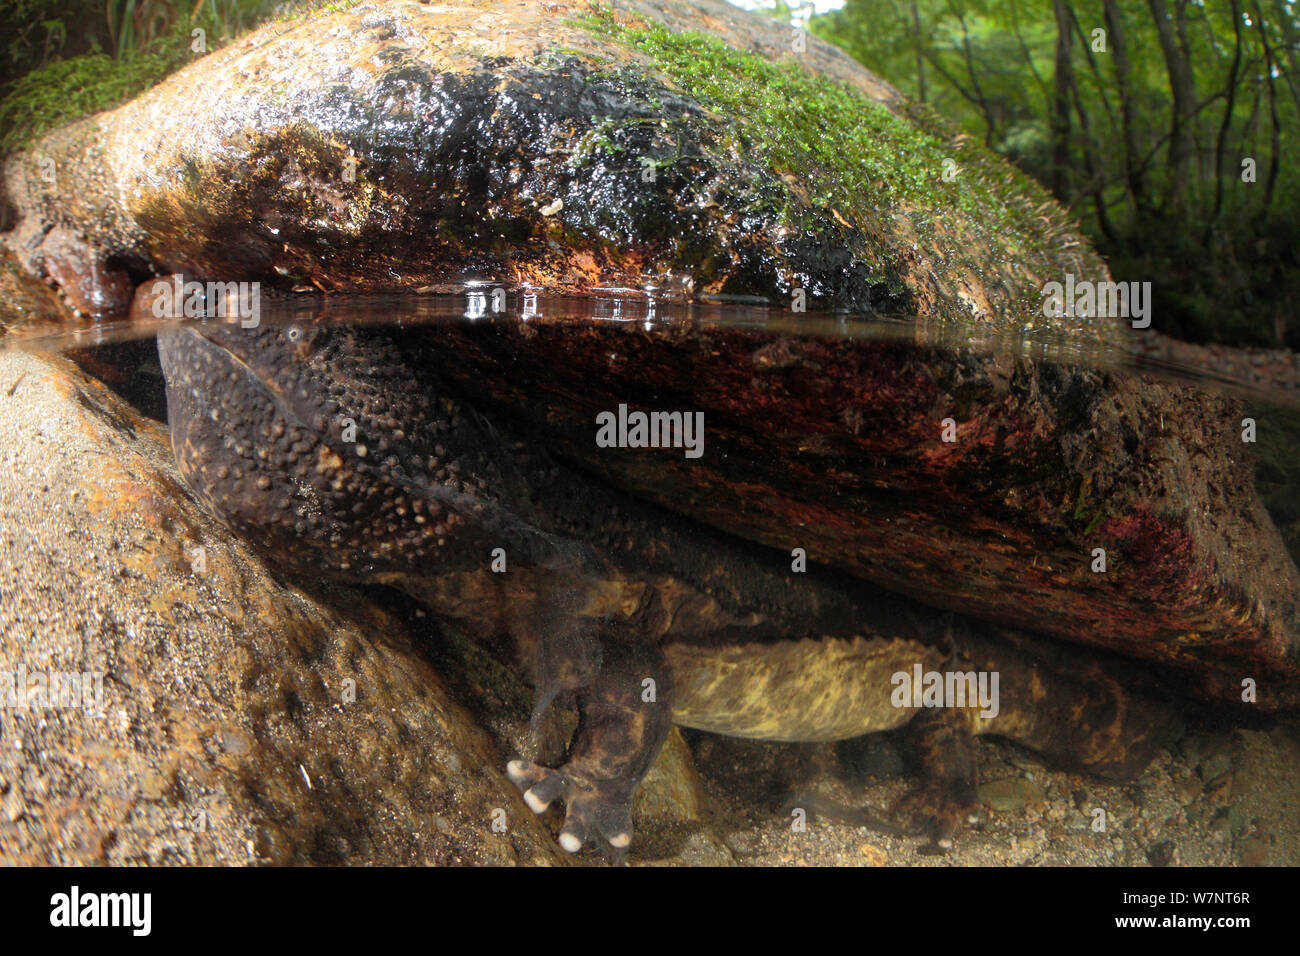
[[797, 121], [38, 31], [66, 89], [1141, 134], [843, 151], [306, 9], [144, 26], [122, 48]]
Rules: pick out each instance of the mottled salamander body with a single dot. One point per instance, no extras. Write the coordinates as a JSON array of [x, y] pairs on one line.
[[340, 454]]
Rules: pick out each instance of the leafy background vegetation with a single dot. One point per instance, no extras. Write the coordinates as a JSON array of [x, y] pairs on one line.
[[1141, 130], [61, 59], [1143, 139]]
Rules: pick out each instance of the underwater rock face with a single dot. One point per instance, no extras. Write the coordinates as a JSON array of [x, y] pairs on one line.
[[400, 146], [692, 147], [345, 454], [29, 304], [966, 480], [1073, 503], [216, 716]]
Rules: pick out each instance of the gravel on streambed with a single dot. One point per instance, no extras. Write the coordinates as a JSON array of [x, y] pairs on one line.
[[1216, 798]]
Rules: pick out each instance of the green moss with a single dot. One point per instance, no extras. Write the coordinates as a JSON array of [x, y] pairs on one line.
[[1089, 513], [841, 148], [1095, 522], [310, 9], [67, 89], [841, 157]]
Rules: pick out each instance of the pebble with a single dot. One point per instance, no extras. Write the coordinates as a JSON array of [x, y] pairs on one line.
[[1011, 793], [873, 855], [1164, 853], [1253, 851], [14, 807], [1187, 789], [1279, 366], [741, 842], [1214, 767]]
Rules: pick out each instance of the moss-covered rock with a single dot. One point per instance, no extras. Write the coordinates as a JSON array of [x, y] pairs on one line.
[[686, 146]]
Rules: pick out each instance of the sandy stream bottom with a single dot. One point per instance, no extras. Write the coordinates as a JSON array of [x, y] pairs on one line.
[[1217, 798]]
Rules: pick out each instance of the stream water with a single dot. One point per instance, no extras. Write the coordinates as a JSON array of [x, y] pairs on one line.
[[943, 468]]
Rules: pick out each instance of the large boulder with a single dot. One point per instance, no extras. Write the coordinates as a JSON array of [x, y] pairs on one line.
[[1085, 504], [686, 146], [165, 698]]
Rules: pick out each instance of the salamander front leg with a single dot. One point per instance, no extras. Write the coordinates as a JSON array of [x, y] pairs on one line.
[[624, 716]]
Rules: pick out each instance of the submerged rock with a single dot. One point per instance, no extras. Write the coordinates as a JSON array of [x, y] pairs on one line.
[[398, 145], [352, 454], [691, 147], [1079, 503], [215, 714], [28, 305]]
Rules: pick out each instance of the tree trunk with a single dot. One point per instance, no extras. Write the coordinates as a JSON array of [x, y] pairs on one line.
[[1061, 102], [1229, 106], [920, 58], [1183, 88], [1133, 181]]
